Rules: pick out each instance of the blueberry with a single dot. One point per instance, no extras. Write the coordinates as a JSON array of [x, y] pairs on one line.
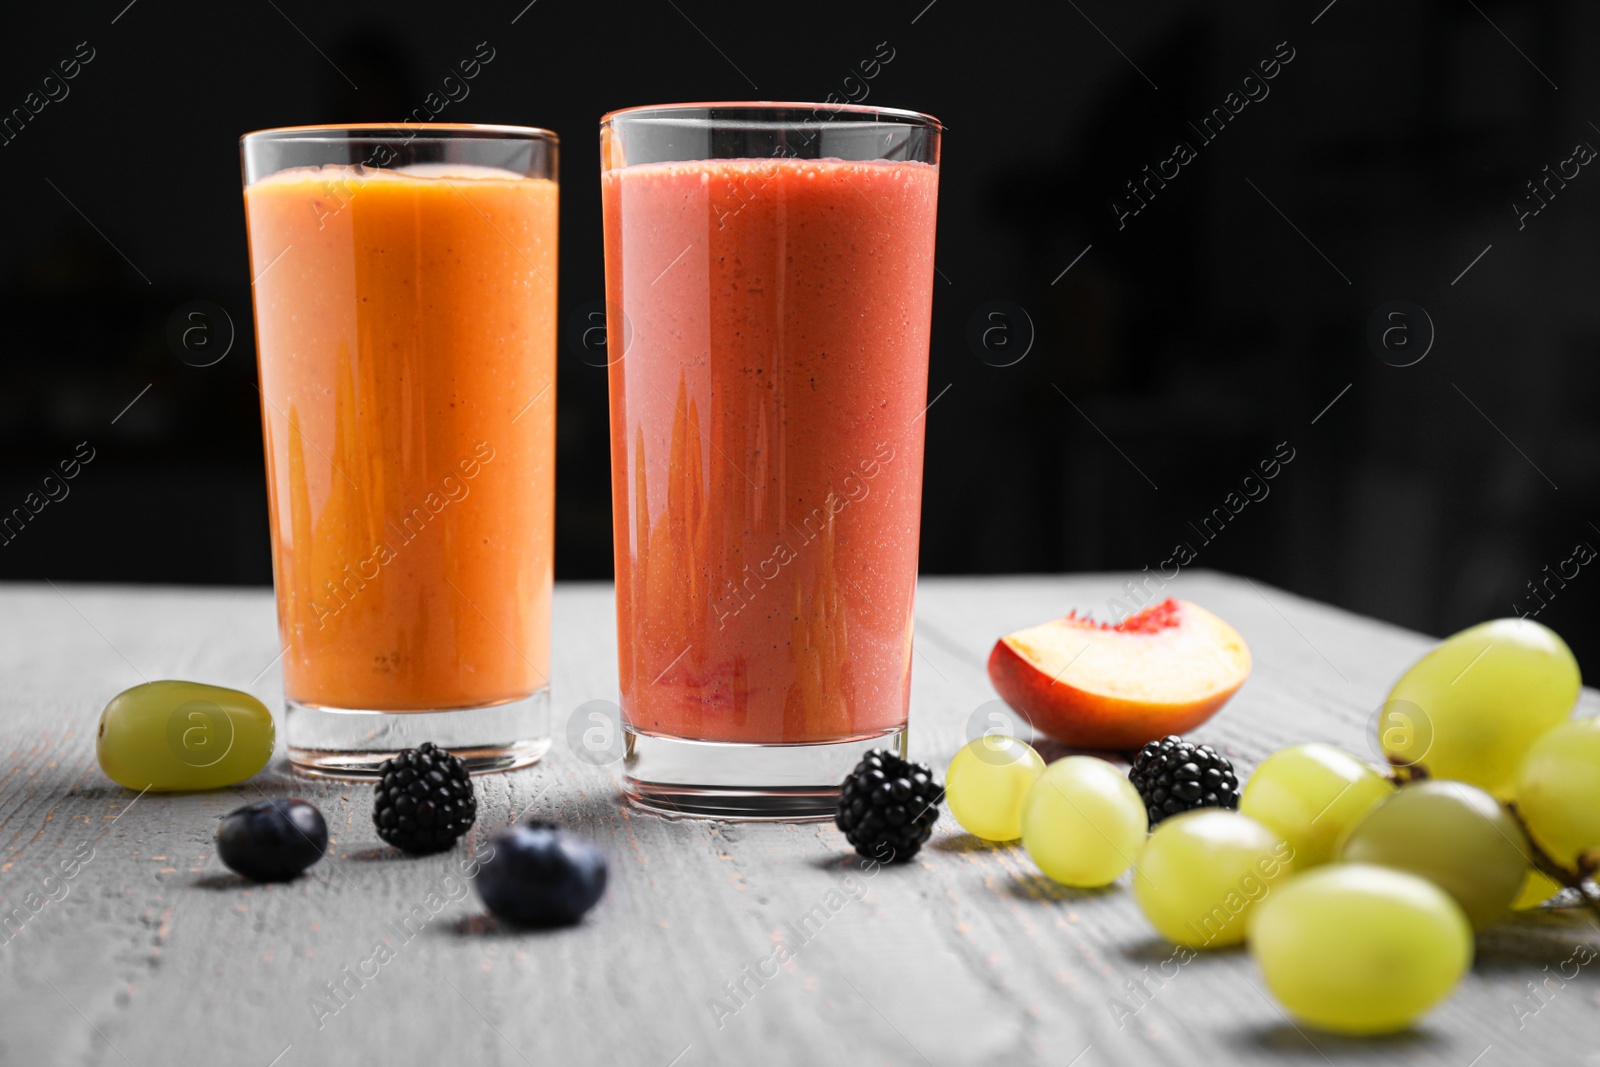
[[541, 876], [272, 840]]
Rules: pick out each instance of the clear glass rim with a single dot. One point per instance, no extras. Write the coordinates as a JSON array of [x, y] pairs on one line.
[[879, 115], [408, 131]]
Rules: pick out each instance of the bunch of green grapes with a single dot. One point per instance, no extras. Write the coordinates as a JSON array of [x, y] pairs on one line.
[[1359, 897], [1357, 900], [1369, 942], [1491, 706]]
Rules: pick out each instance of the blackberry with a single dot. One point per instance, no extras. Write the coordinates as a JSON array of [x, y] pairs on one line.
[[888, 806], [1173, 775], [425, 800]]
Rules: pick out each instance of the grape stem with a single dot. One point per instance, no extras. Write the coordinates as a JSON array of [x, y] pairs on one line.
[[1402, 773], [1588, 864]]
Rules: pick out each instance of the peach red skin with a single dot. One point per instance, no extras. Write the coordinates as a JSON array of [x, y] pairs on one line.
[[1089, 720]]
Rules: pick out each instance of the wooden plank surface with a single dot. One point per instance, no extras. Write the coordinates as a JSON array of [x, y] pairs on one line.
[[153, 953]]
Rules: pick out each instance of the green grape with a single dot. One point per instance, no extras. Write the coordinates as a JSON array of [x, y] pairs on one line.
[[1203, 871], [1311, 795], [1083, 823], [1358, 949], [168, 736], [1558, 790], [1537, 888], [987, 784], [1469, 709], [1456, 836]]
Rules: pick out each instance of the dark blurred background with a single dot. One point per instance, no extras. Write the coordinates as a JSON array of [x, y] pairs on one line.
[[1169, 351]]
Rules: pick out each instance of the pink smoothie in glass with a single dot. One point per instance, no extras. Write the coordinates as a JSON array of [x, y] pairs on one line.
[[767, 437]]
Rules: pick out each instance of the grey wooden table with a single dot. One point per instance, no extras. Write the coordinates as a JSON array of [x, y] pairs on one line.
[[153, 954]]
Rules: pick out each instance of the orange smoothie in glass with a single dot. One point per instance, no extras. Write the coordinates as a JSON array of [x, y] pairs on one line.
[[767, 439], [405, 323]]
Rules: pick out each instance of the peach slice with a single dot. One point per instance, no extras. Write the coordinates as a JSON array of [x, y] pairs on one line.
[[1164, 670]]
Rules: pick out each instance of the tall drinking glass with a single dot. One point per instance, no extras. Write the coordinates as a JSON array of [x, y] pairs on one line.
[[769, 283], [405, 301]]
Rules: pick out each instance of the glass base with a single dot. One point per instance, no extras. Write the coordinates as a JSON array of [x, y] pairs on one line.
[[351, 743], [727, 780]]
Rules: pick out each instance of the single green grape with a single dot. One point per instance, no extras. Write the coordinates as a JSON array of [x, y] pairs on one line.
[[1083, 823], [1203, 871], [1471, 708], [1558, 790], [1358, 949], [1537, 888], [987, 784], [1311, 795], [169, 736], [1456, 836]]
